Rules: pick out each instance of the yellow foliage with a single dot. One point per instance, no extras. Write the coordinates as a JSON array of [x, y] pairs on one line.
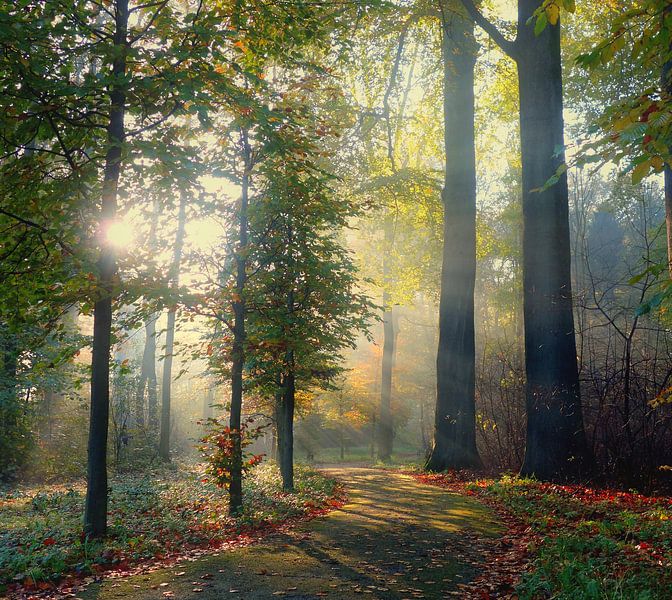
[[552, 13]]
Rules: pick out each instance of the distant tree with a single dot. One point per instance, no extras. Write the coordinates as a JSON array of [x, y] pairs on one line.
[[174, 280], [305, 305]]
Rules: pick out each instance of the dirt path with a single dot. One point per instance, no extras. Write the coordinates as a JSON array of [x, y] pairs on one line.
[[394, 539]]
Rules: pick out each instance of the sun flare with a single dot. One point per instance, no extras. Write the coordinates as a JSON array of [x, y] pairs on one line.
[[120, 234]]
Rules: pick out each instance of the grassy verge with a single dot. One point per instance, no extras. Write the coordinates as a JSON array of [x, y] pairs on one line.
[[360, 455], [150, 517], [582, 542]]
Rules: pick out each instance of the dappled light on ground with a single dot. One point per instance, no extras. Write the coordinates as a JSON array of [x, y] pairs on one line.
[[393, 539]]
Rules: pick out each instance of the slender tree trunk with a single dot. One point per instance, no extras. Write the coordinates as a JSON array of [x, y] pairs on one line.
[[164, 435], [666, 85], [149, 364], [147, 379], [373, 436], [95, 506], [341, 437], [286, 431], [289, 384], [668, 214], [208, 401], [341, 427], [556, 446], [455, 418], [238, 349], [386, 429], [274, 440]]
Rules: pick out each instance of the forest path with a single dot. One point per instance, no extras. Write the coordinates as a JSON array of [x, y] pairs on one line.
[[394, 539]]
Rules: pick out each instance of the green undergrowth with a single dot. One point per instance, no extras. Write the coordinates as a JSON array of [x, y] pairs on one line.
[[150, 516], [360, 455], [587, 543]]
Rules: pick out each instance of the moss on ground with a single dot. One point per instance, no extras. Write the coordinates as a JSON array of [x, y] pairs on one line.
[[394, 539]]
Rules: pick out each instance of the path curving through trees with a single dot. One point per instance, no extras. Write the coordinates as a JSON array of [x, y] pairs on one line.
[[394, 539]]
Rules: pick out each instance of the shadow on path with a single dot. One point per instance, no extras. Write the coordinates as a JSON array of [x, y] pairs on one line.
[[394, 539]]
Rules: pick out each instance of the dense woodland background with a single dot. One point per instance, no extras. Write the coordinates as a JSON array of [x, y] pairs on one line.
[[223, 224]]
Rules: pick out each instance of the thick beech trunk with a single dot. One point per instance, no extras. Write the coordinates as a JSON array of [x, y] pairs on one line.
[[556, 446], [95, 506], [166, 384], [455, 418], [238, 349]]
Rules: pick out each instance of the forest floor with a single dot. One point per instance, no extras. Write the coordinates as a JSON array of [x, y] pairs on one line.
[[397, 535], [395, 538], [572, 542], [155, 517]]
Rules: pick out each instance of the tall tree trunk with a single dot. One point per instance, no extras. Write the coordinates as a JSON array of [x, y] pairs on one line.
[[373, 435], [455, 418], [147, 379], [164, 435], [666, 86], [556, 446], [149, 365], [341, 426], [386, 429], [208, 401], [286, 446], [95, 506], [238, 349]]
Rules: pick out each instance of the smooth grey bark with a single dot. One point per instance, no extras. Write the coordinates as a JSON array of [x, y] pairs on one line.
[[455, 417], [556, 446], [167, 379], [95, 505]]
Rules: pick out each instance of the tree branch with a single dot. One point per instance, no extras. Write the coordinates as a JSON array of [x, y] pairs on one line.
[[24, 221], [508, 47]]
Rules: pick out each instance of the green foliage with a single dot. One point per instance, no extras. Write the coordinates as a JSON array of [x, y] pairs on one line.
[[633, 129], [16, 436], [594, 543], [549, 13]]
